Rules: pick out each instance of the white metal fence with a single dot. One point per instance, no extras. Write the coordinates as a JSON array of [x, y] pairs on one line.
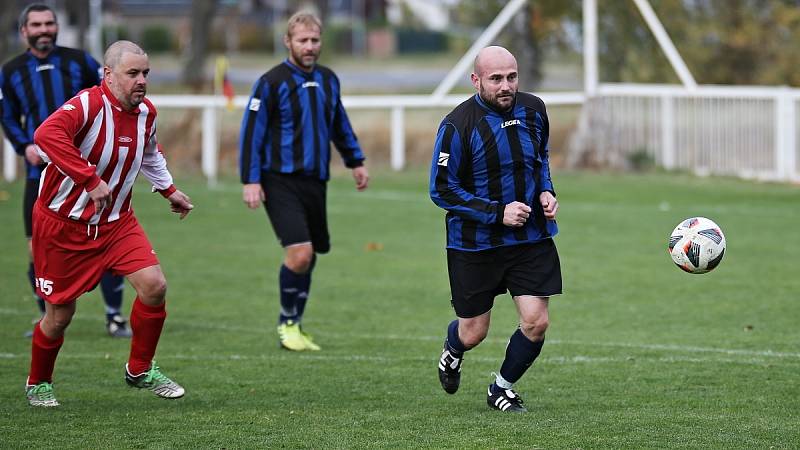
[[750, 132]]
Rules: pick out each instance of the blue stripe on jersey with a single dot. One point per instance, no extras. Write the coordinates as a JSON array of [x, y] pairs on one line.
[[33, 88], [503, 160], [305, 117]]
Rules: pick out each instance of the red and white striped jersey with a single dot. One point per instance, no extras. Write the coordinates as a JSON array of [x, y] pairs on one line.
[[90, 138]]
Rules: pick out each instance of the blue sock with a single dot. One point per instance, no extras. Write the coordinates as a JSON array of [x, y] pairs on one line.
[[32, 279], [112, 287], [290, 285], [304, 289], [454, 343], [520, 354]]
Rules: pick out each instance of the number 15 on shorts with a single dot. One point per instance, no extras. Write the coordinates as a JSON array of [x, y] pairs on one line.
[[46, 286]]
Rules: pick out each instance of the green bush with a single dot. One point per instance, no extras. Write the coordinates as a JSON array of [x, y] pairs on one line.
[[157, 39]]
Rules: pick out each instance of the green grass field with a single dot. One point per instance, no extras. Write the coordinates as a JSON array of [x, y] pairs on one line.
[[639, 354]]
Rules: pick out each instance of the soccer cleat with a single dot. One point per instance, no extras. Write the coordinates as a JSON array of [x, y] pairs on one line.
[[505, 400], [290, 336], [309, 341], [41, 394], [117, 327], [449, 370], [155, 381]]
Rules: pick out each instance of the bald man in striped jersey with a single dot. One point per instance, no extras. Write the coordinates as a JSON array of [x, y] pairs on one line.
[[32, 86], [491, 173], [95, 145]]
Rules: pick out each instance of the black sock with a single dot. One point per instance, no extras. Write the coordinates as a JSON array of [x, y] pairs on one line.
[[304, 289], [290, 284], [112, 286], [520, 354], [32, 279], [454, 343]]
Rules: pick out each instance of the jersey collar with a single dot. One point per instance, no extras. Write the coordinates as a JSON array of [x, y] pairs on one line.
[[300, 71]]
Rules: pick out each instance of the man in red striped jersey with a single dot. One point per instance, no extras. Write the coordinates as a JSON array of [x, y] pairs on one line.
[[95, 146]]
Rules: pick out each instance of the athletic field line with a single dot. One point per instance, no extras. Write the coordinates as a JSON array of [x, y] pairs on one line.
[[176, 324], [426, 359]]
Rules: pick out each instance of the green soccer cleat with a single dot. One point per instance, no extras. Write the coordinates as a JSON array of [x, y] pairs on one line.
[[290, 336], [309, 341], [41, 394], [155, 381]]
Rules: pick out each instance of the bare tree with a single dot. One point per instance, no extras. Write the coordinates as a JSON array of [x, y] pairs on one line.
[[202, 15]]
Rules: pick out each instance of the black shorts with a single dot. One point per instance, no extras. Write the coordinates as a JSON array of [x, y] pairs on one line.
[[476, 278], [295, 205], [31, 194]]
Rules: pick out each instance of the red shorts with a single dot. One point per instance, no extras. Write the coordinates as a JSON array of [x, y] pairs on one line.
[[70, 257]]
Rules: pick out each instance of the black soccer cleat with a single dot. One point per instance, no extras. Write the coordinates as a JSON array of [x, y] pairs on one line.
[[449, 370], [505, 400]]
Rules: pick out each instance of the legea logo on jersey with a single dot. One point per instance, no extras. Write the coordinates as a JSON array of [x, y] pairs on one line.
[[68, 107], [443, 158], [309, 84], [124, 139], [45, 67], [508, 123], [255, 104]]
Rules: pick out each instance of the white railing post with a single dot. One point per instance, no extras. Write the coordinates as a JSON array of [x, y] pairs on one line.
[[668, 132], [785, 118], [9, 161], [590, 74], [398, 137], [210, 144]]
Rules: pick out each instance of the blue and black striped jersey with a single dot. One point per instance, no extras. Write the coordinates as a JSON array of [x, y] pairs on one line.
[[289, 122], [33, 88], [483, 160]]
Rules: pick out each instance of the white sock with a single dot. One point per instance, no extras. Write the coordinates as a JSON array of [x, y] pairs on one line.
[[502, 382]]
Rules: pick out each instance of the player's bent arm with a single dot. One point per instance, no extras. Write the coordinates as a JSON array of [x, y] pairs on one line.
[[55, 138]]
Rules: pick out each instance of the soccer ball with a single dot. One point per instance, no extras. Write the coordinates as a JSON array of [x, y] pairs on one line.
[[697, 245]]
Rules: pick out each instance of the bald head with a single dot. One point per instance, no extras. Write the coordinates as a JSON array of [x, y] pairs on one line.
[[492, 57], [115, 51], [495, 77], [125, 73]]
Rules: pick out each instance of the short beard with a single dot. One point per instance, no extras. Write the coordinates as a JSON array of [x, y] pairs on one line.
[[33, 42], [494, 103]]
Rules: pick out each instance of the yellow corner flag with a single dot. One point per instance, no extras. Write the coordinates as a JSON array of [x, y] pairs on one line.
[[222, 84]]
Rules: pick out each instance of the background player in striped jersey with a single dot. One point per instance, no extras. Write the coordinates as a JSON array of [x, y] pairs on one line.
[[293, 115], [33, 85], [83, 225], [490, 171]]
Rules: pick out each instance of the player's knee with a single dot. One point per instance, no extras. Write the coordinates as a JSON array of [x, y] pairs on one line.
[[471, 338], [300, 262], [155, 290], [534, 328]]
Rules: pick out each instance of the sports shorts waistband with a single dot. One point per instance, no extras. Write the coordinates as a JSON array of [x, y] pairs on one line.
[[78, 223]]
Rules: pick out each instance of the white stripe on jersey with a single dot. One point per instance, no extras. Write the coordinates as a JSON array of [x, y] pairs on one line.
[[86, 148], [133, 172]]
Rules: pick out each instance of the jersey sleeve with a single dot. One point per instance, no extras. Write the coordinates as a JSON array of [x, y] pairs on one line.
[[544, 170], [55, 139], [446, 189], [10, 114], [154, 167], [252, 151], [343, 136]]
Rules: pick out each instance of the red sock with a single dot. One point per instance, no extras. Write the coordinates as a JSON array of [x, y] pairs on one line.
[[43, 356], [146, 324]]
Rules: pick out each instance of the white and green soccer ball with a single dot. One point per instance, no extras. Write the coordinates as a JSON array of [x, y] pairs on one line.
[[697, 245]]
